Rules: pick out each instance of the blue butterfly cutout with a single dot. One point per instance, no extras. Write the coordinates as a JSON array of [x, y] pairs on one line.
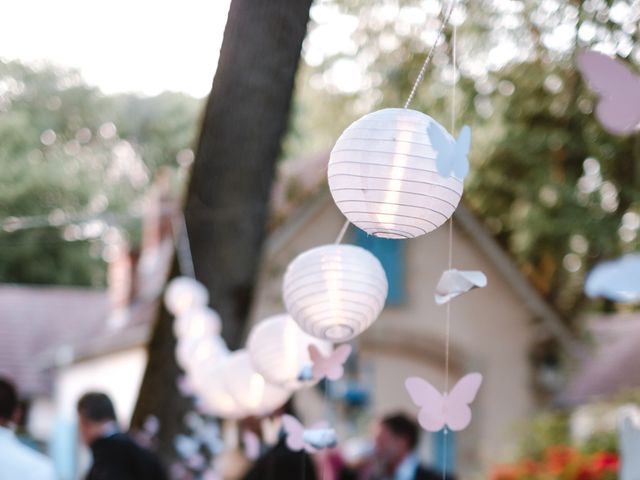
[[451, 156]]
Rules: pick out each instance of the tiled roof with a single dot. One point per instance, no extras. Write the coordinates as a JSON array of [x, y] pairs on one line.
[[35, 319], [610, 368], [41, 327]]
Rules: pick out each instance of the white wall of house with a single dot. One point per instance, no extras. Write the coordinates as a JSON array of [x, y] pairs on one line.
[[490, 332], [118, 374]]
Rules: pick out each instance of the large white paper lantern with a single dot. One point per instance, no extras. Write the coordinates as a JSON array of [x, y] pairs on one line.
[[335, 292], [383, 177], [278, 349], [183, 294], [249, 389], [197, 322]]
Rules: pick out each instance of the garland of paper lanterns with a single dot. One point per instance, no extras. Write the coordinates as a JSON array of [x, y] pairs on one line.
[[394, 173]]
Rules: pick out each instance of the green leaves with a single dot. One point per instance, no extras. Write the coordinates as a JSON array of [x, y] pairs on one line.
[[69, 153]]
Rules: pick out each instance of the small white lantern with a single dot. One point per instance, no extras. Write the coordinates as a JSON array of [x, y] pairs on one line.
[[191, 352], [249, 389], [212, 390], [183, 294], [383, 177], [335, 292], [278, 349], [197, 322]]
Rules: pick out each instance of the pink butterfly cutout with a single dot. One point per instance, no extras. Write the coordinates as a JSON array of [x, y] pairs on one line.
[[311, 440], [332, 366], [438, 410], [618, 88], [251, 444]]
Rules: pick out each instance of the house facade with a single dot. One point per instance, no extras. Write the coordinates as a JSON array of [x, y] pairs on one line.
[[492, 332]]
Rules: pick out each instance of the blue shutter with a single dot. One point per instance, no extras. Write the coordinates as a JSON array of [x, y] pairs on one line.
[[444, 455], [391, 255]]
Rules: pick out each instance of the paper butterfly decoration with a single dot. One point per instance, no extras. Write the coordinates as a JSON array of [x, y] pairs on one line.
[[617, 280], [451, 156], [454, 282], [330, 367], [185, 387], [618, 88], [186, 446], [439, 410], [311, 440], [251, 445]]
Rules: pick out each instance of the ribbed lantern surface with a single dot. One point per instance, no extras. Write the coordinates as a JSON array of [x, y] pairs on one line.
[[335, 292], [278, 349], [383, 177]]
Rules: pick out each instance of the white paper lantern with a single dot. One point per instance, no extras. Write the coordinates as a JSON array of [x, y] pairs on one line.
[[278, 349], [383, 177], [335, 292], [211, 389], [249, 389], [191, 352], [197, 322], [183, 294]]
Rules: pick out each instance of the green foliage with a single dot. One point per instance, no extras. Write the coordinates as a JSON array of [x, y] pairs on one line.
[[547, 429], [555, 189], [75, 164]]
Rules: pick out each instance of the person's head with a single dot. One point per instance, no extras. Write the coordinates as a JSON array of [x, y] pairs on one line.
[[396, 437], [8, 402], [95, 415]]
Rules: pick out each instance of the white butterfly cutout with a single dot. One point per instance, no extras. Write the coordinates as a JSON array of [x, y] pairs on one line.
[[451, 156], [454, 282], [331, 366], [439, 410], [618, 87], [317, 437]]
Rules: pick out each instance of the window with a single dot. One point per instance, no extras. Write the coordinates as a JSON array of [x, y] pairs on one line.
[[391, 256], [444, 451]]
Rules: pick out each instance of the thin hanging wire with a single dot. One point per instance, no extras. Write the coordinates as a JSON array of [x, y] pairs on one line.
[[342, 233], [427, 60], [183, 247], [454, 61]]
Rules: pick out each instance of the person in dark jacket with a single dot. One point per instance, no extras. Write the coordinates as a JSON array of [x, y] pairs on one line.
[[280, 463], [395, 457], [115, 455]]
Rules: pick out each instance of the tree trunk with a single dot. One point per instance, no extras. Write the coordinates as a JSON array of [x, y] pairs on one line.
[[245, 119], [228, 197]]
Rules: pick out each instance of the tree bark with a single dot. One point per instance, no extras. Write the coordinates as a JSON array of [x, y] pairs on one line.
[[244, 122], [228, 197]]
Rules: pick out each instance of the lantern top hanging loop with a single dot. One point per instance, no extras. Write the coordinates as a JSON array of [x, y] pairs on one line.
[[427, 60]]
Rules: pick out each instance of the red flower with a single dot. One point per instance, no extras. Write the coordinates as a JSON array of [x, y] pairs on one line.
[[605, 462], [558, 458]]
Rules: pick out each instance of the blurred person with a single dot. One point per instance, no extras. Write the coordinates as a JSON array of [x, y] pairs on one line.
[[18, 461], [394, 456], [115, 455], [279, 462]]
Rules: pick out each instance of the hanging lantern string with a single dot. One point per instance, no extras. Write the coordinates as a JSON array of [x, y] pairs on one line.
[[454, 61], [183, 247], [342, 233], [427, 60]]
